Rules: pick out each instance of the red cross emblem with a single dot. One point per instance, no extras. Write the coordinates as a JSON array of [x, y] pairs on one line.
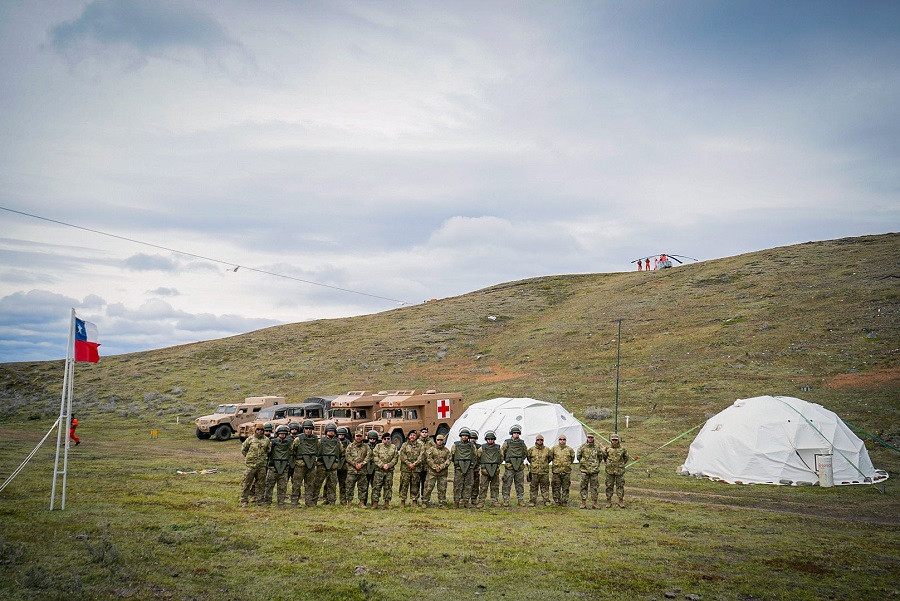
[[443, 408]]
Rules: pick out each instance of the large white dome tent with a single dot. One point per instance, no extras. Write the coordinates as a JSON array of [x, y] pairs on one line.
[[534, 416], [777, 440]]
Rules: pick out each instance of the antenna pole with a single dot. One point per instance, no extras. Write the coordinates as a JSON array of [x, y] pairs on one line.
[[618, 357]]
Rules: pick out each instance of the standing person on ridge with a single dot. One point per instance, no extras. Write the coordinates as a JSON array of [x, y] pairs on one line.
[[514, 451], [562, 457], [589, 457]]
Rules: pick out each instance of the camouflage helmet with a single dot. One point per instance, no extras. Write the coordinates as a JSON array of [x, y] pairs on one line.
[[489, 435], [439, 437], [515, 428], [330, 427], [282, 429], [294, 426], [343, 430], [463, 432], [307, 423], [372, 435], [473, 434], [268, 427]]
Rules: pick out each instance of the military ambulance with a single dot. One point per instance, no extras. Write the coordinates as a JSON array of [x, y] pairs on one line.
[[352, 410], [228, 418], [403, 410]]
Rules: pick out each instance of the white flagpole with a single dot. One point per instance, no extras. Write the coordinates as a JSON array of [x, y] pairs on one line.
[[63, 424]]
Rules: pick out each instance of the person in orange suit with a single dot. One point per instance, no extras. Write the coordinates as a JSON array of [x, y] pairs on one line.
[[72, 426]]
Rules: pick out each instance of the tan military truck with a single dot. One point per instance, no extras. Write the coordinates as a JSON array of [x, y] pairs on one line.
[[352, 410], [405, 410], [227, 418], [283, 414]]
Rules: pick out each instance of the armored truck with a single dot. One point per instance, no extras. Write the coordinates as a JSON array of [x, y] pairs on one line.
[[352, 410], [405, 410], [293, 412], [227, 418]]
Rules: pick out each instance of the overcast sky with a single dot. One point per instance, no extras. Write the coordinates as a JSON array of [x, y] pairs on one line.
[[415, 150]]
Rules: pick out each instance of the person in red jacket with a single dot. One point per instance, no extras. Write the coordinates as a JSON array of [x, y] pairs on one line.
[[72, 426]]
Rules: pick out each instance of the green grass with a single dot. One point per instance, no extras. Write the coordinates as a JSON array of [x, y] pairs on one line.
[[820, 315]]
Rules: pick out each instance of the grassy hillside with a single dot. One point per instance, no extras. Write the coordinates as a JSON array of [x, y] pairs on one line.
[[822, 316], [694, 338]]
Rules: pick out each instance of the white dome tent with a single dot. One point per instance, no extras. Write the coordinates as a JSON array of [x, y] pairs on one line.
[[535, 417], [776, 440]]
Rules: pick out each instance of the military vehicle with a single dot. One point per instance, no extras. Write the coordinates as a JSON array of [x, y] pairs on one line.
[[285, 414], [227, 418], [405, 410], [352, 410]]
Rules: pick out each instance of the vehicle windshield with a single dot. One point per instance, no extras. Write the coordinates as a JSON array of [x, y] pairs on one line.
[[266, 413], [341, 413], [225, 409]]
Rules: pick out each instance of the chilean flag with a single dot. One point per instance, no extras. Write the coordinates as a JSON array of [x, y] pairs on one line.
[[86, 341]]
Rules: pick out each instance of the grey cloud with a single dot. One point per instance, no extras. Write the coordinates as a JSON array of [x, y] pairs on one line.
[[163, 291], [150, 28], [143, 262]]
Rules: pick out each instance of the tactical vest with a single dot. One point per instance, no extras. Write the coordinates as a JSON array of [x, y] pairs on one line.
[[490, 458], [463, 455], [330, 452], [515, 453], [370, 466], [280, 456], [342, 464], [308, 450]]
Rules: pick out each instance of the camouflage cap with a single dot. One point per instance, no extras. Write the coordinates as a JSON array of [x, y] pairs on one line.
[[439, 437]]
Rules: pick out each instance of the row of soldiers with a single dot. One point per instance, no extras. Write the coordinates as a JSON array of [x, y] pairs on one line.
[[333, 467]]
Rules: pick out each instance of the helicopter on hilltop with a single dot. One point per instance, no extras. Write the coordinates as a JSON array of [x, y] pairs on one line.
[[660, 261]]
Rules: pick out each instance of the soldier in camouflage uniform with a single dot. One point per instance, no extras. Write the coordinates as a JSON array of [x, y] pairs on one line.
[[279, 460], [412, 456], [615, 457], [476, 472], [539, 471], [343, 436], [268, 430], [589, 457], [514, 451], [293, 434], [437, 458], [372, 438], [426, 441], [357, 458], [256, 454], [562, 457], [331, 454], [463, 457], [489, 458], [385, 457], [305, 450]]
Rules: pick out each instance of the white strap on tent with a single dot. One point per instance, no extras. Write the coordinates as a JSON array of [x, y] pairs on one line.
[[813, 426], [30, 455]]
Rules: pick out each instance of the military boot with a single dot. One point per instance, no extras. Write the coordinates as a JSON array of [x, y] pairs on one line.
[[532, 504], [583, 505], [480, 506], [620, 503], [403, 503], [609, 502], [373, 506], [595, 506], [386, 506], [506, 502]]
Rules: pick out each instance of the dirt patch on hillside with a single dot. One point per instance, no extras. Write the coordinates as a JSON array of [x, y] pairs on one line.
[[866, 380]]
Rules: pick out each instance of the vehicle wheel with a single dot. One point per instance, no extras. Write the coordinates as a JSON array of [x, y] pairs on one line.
[[443, 429], [397, 438], [202, 435], [223, 433]]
